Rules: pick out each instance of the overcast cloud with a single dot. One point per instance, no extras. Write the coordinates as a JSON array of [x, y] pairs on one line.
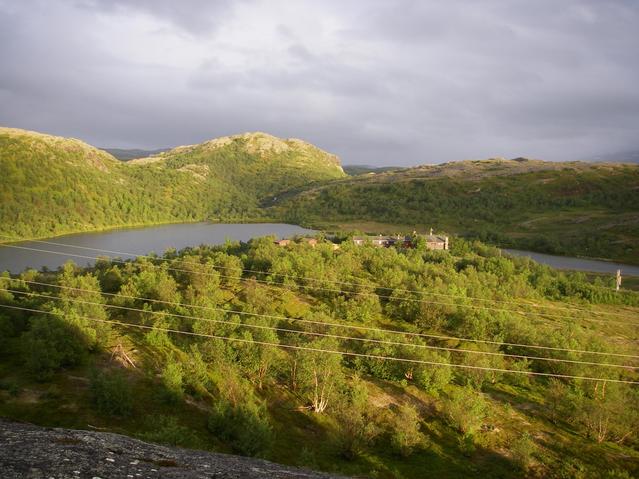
[[375, 81]]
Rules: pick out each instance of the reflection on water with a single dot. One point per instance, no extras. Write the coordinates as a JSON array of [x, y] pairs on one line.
[[138, 241], [578, 264]]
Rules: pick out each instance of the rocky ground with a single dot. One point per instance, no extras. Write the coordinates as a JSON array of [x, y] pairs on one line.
[[28, 451]]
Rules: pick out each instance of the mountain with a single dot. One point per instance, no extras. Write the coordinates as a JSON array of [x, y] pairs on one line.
[[259, 162], [571, 208], [124, 154], [354, 170], [52, 185]]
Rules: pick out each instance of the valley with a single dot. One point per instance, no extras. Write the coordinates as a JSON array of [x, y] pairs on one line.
[[301, 239], [572, 209], [343, 357]]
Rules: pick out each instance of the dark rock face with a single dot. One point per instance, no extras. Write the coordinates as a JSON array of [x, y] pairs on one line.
[[28, 451]]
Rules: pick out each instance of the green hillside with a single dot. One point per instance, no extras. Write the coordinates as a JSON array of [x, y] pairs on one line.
[[258, 164], [564, 208], [51, 185], [101, 348]]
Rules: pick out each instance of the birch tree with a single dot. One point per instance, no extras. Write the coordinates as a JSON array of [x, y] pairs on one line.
[[319, 374]]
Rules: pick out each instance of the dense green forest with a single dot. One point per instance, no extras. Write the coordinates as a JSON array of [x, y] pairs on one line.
[[561, 208], [51, 185], [283, 353]]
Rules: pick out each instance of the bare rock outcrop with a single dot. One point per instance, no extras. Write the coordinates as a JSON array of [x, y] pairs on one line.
[[28, 451]]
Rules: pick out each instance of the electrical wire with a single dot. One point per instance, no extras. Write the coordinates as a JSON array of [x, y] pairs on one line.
[[305, 278], [335, 336], [471, 306], [348, 326], [344, 353]]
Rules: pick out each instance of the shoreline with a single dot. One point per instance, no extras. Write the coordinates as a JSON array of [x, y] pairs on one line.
[[132, 226], [309, 225]]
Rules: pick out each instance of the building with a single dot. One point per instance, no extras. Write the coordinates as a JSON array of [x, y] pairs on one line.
[[380, 240], [434, 242]]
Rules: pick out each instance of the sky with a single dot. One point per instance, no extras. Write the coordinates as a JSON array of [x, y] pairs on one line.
[[377, 82]]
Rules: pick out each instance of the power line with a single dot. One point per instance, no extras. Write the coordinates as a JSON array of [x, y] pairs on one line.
[[306, 278], [345, 353], [347, 326], [133, 255], [323, 323], [394, 298], [335, 336]]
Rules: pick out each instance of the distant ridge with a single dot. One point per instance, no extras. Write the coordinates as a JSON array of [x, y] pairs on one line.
[[124, 154], [570, 208], [354, 170]]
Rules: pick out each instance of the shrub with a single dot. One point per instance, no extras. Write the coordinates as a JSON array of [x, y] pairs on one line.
[[466, 410], [522, 450], [356, 425], [172, 380], [405, 435], [167, 430], [11, 386], [111, 394], [49, 345], [434, 378], [467, 444], [245, 427], [7, 331]]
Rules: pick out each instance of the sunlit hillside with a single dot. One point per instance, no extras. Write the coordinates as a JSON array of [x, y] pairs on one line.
[[563, 208], [51, 185], [375, 362]]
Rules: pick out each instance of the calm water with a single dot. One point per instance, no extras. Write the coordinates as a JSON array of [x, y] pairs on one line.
[[138, 241], [578, 264]]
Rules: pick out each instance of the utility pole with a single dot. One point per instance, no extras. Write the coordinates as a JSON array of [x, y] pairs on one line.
[[618, 279]]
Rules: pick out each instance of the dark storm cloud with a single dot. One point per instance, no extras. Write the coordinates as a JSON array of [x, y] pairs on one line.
[[374, 81]]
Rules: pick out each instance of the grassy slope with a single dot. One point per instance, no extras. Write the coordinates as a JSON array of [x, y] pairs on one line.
[[51, 185], [564, 208]]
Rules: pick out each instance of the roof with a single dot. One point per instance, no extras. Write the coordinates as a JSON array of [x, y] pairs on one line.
[[435, 238], [428, 238]]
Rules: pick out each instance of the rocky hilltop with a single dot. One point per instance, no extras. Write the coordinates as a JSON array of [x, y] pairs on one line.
[[28, 451], [51, 185]]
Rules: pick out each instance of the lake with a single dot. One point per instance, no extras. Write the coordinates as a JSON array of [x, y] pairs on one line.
[[578, 264], [141, 241], [137, 241]]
